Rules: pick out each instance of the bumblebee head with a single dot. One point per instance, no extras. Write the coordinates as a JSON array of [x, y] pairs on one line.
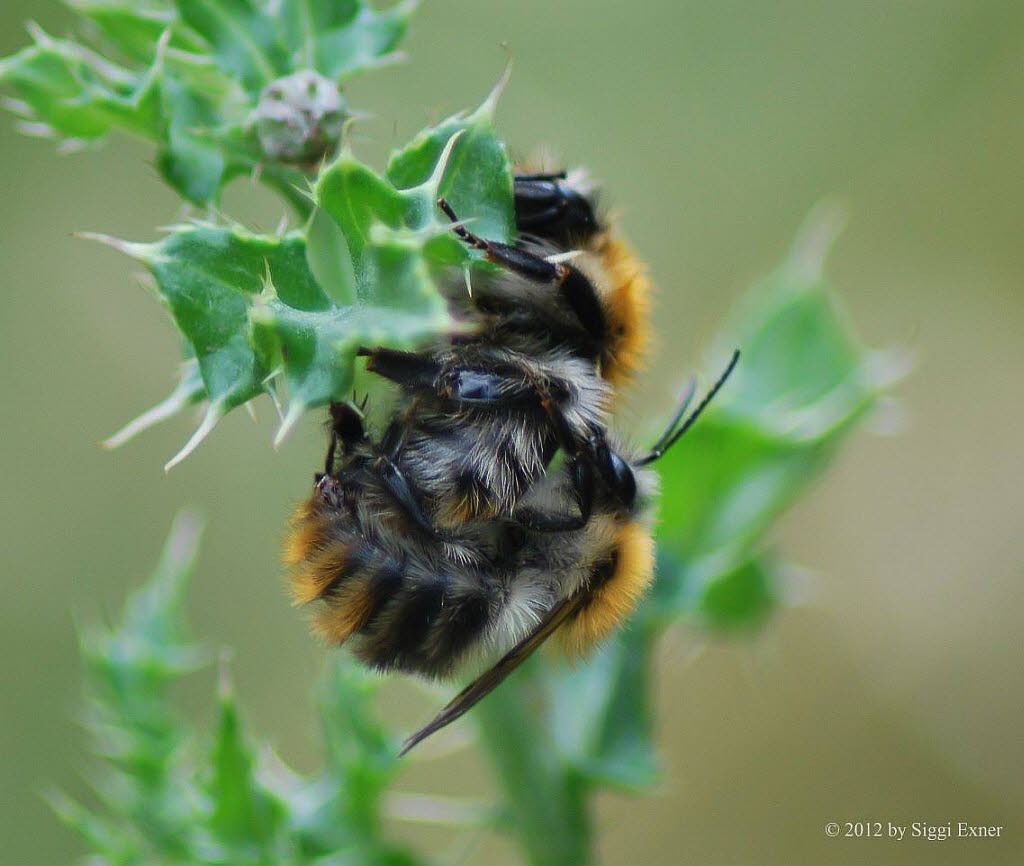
[[555, 208]]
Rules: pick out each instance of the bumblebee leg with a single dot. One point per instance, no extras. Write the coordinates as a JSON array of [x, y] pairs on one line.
[[583, 492], [329, 460], [529, 178], [576, 289], [397, 485], [409, 369], [346, 430], [519, 261], [394, 480]]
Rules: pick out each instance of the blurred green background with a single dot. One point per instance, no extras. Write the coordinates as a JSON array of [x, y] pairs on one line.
[[890, 691]]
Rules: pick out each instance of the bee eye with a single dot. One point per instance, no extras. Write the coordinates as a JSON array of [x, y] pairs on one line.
[[623, 481]]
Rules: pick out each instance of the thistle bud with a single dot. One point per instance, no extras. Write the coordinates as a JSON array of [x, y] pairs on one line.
[[299, 118]]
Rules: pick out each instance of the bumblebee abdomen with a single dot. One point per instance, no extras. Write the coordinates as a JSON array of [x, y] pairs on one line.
[[398, 611]]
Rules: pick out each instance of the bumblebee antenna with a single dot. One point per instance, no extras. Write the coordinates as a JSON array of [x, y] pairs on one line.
[[688, 394], [675, 430]]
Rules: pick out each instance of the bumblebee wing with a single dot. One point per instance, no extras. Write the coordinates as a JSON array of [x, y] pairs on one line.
[[484, 684]]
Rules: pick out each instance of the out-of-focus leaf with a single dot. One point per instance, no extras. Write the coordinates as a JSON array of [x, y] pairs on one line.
[[76, 94], [190, 161], [167, 795], [341, 37], [131, 668], [600, 715], [802, 382], [340, 810], [244, 817], [741, 597], [135, 28], [244, 38]]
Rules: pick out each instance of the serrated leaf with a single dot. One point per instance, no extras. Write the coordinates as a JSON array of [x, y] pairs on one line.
[[191, 161], [478, 179], [341, 37], [177, 76], [135, 28], [189, 390], [80, 95], [244, 815], [317, 349], [356, 199], [243, 37], [209, 276]]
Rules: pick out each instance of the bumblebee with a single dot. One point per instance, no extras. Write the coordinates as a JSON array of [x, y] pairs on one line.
[[483, 415], [448, 537]]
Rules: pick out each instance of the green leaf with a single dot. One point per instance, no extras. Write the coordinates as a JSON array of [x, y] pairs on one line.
[[478, 178], [317, 350], [189, 76], [210, 276], [356, 198], [135, 28], [251, 310], [245, 816], [191, 161], [802, 382], [741, 597], [329, 258], [243, 37], [76, 94], [340, 37], [600, 714]]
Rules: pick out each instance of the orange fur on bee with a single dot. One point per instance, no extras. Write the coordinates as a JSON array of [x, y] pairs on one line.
[[315, 565], [306, 534], [463, 511], [312, 578], [347, 611], [628, 306], [613, 601]]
